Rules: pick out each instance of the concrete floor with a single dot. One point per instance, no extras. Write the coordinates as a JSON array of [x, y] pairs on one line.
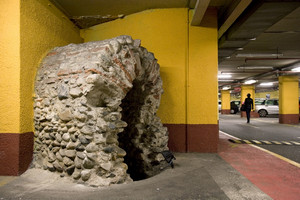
[[264, 129], [195, 176]]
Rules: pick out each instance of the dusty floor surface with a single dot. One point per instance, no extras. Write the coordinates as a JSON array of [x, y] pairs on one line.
[[195, 176]]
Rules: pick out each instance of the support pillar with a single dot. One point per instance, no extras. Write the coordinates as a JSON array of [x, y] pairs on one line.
[[248, 89], [225, 102], [202, 93], [288, 100]]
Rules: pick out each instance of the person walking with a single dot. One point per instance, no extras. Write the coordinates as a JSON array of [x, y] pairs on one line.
[[248, 106]]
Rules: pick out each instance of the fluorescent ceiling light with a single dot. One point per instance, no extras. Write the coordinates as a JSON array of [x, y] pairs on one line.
[[224, 76], [253, 55], [255, 67], [250, 82], [226, 88], [226, 80], [266, 84], [297, 69]]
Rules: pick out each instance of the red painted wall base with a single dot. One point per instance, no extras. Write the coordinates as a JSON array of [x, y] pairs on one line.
[[288, 118], [225, 111], [201, 138], [15, 153]]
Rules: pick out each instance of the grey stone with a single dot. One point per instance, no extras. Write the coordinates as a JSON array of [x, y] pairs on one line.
[[85, 174], [107, 166], [70, 153], [72, 130], [72, 145], [50, 167], [91, 147], [58, 137], [111, 140], [99, 139], [137, 43], [120, 152], [92, 156], [87, 130], [80, 125], [59, 157], [80, 117], [67, 161], [63, 92], [80, 81], [76, 174], [88, 164], [62, 152], [108, 149], [83, 140], [66, 115], [51, 157], [80, 155], [64, 129], [66, 136], [70, 169], [75, 92], [78, 163], [58, 166]]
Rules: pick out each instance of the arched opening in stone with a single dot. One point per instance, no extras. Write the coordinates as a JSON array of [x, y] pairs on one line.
[[95, 112], [130, 139]]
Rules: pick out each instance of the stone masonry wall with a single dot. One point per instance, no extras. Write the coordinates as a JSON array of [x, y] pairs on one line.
[[95, 112]]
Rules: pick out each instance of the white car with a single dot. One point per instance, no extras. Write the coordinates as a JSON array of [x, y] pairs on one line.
[[267, 107]]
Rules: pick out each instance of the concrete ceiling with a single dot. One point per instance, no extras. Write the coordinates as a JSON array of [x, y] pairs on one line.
[[265, 28], [250, 31]]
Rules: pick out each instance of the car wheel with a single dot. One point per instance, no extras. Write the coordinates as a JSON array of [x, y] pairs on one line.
[[262, 113]]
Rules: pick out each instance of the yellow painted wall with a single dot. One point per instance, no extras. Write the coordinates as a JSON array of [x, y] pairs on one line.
[[9, 66], [273, 94], [248, 89], [28, 30], [43, 27], [289, 95], [203, 70], [165, 33], [225, 100]]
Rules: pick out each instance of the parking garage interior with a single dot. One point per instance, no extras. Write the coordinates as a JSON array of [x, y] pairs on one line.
[[211, 53]]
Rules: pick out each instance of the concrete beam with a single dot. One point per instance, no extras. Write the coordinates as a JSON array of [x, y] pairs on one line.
[[233, 12], [200, 9]]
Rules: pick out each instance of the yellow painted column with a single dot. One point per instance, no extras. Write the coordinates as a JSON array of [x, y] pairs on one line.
[[248, 89], [225, 102], [9, 66], [28, 30], [202, 94], [288, 99]]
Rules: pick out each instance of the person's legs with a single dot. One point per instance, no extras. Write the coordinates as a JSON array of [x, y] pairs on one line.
[[248, 115]]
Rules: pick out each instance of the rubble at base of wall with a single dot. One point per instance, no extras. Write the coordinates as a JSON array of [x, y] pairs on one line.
[[95, 110]]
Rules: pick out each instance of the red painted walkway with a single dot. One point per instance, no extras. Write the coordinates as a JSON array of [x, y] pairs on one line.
[[275, 177]]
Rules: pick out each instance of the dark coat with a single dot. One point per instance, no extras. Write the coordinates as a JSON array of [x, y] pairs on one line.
[[248, 103]]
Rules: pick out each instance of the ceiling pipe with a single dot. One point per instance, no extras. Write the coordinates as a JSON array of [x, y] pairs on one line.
[[246, 59]]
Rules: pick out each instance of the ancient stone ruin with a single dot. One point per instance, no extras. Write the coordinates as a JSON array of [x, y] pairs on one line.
[[95, 112]]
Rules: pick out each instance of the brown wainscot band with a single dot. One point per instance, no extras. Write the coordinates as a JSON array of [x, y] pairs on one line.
[[225, 111], [16, 150], [289, 118], [177, 137], [201, 138]]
